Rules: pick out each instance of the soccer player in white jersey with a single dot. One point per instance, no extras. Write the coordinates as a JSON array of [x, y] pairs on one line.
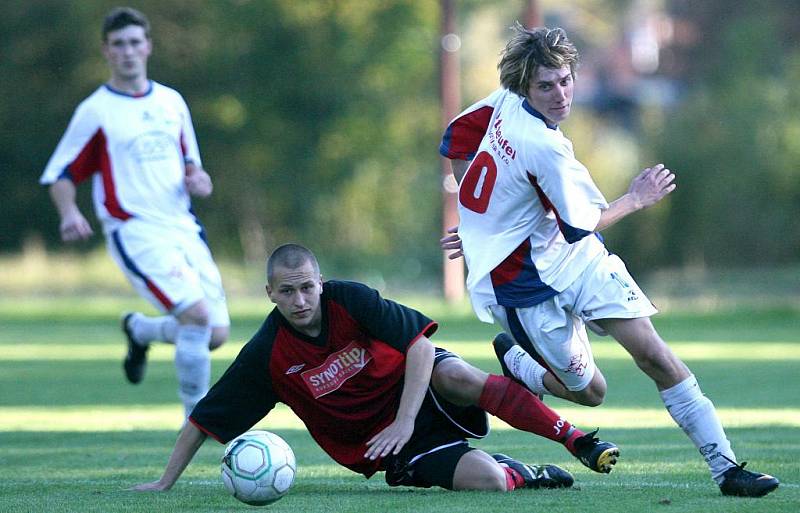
[[134, 138], [529, 221]]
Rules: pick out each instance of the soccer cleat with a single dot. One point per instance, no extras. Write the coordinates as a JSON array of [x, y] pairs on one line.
[[502, 343], [537, 476], [739, 482], [136, 359], [596, 454]]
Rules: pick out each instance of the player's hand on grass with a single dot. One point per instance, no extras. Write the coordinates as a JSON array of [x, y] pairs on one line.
[[651, 185], [391, 439], [155, 486], [452, 241], [74, 227], [197, 181]]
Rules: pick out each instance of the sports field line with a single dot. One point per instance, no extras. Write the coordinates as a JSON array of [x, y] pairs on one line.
[[690, 351], [158, 417]]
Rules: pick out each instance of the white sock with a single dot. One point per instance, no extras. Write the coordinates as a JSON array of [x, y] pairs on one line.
[[526, 369], [192, 363], [695, 414], [147, 329]]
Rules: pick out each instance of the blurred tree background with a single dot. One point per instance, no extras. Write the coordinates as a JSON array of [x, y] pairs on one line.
[[319, 120]]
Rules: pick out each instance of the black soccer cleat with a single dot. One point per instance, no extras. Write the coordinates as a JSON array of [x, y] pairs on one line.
[[136, 359], [739, 482], [596, 454], [502, 343], [537, 476]]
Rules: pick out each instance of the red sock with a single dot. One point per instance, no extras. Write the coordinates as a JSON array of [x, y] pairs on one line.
[[508, 400], [513, 479]]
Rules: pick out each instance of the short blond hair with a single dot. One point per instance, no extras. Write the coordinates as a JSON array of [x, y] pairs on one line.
[[531, 49]]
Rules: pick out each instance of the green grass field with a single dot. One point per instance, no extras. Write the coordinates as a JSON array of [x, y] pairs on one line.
[[74, 435]]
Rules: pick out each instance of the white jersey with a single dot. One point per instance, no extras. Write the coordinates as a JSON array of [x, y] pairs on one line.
[[134, 148], [527, 207]]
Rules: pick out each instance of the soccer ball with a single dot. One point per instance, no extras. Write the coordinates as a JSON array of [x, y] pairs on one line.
[[258, 467]]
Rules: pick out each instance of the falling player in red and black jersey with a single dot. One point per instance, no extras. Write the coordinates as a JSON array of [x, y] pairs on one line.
[[361, 373]]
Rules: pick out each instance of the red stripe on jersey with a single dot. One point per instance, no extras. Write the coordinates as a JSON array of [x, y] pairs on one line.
[[429, 330], [546, 203], [571, 234], [92, 158], [509, 269], [89, 159], [184, 148], [464, 135], [111, 202]]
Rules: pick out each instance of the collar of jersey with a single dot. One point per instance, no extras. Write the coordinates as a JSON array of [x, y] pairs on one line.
[[535, 113], [129, 95]]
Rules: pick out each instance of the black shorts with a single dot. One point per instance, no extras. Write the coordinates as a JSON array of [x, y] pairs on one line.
[[438, 442]]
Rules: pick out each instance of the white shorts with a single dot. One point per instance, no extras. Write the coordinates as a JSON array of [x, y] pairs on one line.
[[171, 269], [556, 328]]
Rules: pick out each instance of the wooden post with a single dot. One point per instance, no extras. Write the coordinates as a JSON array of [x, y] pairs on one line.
[[452, 270]]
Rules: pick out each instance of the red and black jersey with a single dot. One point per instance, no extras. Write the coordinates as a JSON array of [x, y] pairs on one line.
[[344, 384]]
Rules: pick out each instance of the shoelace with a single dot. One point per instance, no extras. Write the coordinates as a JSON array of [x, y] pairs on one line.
[[740, 466]]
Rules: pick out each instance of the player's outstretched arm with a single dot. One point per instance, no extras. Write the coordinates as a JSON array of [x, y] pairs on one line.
[[73, 226], [197, 181], [419, 365], [647, 189], [186, 446]]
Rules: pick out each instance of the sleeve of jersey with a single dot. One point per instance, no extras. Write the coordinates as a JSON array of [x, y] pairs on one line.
[[80, 150], [464, 134], [189, 146], [568, 187], [242, 396], [388, 321]]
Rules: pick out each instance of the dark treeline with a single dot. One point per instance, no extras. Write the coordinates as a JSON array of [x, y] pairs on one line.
[[319, 121]]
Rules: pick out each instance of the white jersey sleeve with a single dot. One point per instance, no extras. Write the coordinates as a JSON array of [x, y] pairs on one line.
[[75, 147], [563, 184]]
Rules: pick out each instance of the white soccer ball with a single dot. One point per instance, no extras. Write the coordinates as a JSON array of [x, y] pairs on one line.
[[258, 467]]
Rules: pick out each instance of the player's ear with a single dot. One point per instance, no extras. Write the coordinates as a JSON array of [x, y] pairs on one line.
[[269, 292]]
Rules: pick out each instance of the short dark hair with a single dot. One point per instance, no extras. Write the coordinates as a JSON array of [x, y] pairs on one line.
[[121, 17], [290, 256], [531, 49]]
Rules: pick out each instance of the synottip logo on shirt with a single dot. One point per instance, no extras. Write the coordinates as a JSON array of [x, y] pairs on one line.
[[336, 370]]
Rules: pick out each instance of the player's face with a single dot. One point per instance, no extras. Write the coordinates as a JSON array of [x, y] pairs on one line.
[[126, 51], [296, 293], [550, 93]]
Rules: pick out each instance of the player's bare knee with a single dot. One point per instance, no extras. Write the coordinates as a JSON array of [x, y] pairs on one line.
[[656, 361], [593, 395], [197, 314], [497, 482], [478, 471], [219, 334], [458, 382]]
